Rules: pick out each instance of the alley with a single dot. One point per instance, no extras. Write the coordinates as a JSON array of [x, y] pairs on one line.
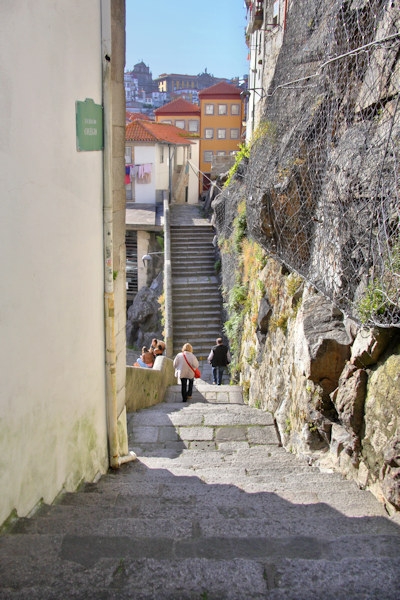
[[212, 509]]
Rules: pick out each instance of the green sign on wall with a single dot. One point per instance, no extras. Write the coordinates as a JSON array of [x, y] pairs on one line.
[[89, 125]]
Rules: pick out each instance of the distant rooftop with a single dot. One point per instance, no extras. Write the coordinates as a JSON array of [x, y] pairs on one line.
[[221, 90], [149, 131], [178, 106]]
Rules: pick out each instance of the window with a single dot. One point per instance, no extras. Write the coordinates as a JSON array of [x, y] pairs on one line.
[[161, 154], [208, 156], [234, 134], [275, 14], [222, 109], [128, 155], [235, 109], [209, 134], [193, 126], [180, 124], [220, 153], [167, 122], [221, 134], [209, 109]]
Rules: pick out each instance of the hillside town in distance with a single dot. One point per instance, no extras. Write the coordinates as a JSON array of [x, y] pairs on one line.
[[144, 94]]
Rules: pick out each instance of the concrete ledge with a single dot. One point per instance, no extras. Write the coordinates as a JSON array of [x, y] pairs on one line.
[[147, 387]]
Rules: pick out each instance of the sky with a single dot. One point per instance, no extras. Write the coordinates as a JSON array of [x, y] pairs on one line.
[[187, 36]]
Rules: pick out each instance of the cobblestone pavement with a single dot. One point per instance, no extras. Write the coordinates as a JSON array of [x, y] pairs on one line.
[[212, 509]]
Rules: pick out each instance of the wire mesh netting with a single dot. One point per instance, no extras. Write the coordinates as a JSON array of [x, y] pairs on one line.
[[322, 184]]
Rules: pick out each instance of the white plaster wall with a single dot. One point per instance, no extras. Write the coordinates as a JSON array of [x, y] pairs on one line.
[[52, 402], [193, 193], [162, 182], [145, 193]]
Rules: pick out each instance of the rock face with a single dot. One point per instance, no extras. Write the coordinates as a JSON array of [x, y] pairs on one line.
[[334, 391], [144, 319], [381, 442], [327, 342], [321, 197]]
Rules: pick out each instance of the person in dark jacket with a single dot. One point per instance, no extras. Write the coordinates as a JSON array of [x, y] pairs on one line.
[[219, 358]]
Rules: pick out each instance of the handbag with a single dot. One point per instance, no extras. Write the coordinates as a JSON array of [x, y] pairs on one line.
[[196, 372]]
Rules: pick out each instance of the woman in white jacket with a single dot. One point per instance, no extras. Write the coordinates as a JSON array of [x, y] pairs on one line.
[[184, 372]]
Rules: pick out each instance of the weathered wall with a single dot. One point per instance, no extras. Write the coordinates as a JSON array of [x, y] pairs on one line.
[[116, 14], [332, 385], [52, 403], [320, 195], [147, 387]]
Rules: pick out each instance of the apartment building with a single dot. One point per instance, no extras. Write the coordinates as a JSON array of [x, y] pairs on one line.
[[221, 110], [181, 113]]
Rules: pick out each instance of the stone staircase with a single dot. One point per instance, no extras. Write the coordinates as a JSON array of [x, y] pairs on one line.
[[213, 508], [196, 297]]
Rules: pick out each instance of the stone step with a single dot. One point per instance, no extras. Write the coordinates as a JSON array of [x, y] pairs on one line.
[[231, 394], [196, 296], [193, 253], [192, 241], [177, 230], [212, 506], [194, 331], [201, 340], [192, 238], [199, 314], [184, 256], [201, 285], [191, 269]]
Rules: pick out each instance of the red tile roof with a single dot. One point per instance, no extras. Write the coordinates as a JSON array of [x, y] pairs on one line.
[[221, 90], [149, 131], [130, 116], [180, 106]]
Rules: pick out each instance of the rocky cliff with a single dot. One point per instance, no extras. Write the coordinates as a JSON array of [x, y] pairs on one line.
[[308, 231]]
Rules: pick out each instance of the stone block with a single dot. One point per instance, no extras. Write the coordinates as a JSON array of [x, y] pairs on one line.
[[227, 434], [144, 434], [233, 446], [202, 445], [196, 433], [262, 435], [168, 434], [349, 399], [369, 345]]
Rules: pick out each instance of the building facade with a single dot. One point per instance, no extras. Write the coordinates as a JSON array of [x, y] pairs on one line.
[[266, 24], [158, 165], [63, 361], [182, 114], [156, 160], [221, 109]]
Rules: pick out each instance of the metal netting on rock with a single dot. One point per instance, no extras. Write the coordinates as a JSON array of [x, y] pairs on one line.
[[322, 184]]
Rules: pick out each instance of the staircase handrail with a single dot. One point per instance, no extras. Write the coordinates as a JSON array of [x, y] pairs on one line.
[[168, 331]]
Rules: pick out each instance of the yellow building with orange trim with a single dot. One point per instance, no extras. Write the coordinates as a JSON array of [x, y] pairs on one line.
[[221, 124]]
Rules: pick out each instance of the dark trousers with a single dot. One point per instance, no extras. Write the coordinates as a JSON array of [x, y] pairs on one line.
[[187, 388]]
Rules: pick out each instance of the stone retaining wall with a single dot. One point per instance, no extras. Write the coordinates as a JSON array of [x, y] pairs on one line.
[[147, 387]]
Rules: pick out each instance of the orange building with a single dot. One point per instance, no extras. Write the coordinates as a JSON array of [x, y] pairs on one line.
[[181, 113], [221, 125]]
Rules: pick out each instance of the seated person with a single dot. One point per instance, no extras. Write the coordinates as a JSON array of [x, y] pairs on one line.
[[159, 350], [157, 347], [146, 359]]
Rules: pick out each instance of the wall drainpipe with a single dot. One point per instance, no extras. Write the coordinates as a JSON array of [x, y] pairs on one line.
[[115, 460]]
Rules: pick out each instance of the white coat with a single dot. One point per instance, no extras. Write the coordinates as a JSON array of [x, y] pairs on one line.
[[182, 369]]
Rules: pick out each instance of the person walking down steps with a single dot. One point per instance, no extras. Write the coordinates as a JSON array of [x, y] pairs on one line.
[[219, 358], [185, 362]]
